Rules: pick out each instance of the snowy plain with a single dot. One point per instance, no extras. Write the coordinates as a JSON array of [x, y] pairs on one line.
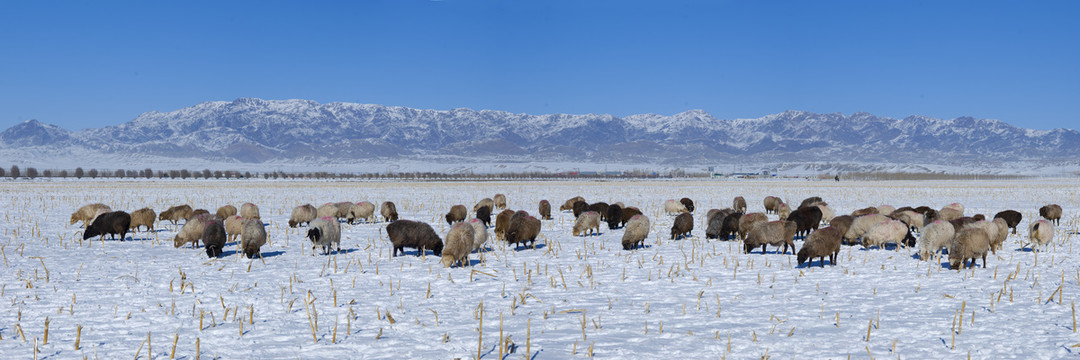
[[572, 297]]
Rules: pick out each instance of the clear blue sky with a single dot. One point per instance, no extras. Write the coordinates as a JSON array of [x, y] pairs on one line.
[[84, 64]]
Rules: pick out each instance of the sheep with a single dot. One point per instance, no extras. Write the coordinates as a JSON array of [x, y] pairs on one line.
[[587, 224], [143, 217], [569, 204], [772, 204], [176, 213], [959, 223], [480, 234], [885, 209], [827, 213], [326, 210], [810, 201], [1012, 218], [613, 216], [991, 230], [739, 205], [929, 216], [600, 208], [459, 242], [1051, 212], [389, 211], [747, 221], [502, 221], [949, 214], [1040, 232], [580, 207], [112, 223], [198, 212], [500, 201], [689, 204], [213, 238], [637, 229], [672, 207], [821, 243], [482, 203], [730, 226], [956, 206], [234, 226], [783, 211], [775, 233], [545, 210], [226, 211], [627, 213], [682, 226], [484, 215], [979, 217], [302, 214], [913, 219], [860, 225], [193, 230], [806, 220], [935, 236], [864, 211], [710, 214], [249, 211], [414, 234], [361, 210], [712, 230], [343, 209], [998, 242], [969, 243], [523, 230], [722, 226], [457, 213], [86, 213], [326, 231], [718, 213], [842, 223], [888, 232], [253, 238]]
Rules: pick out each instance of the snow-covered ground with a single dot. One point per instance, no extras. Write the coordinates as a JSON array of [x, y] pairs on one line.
[[570, 297]]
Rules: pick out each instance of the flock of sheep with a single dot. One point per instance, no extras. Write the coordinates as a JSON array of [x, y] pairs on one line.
[[964, 237]]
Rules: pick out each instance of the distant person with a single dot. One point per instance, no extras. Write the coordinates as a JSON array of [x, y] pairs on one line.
[[837, 178]]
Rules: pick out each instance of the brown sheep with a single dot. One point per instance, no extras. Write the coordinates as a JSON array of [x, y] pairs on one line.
[[502, 221], [484, 202], [86, 213], [683, 225], [176, 213], [569, 204], [864, 211], [457, 214], [627, 213], [775, 233], [1051, 212], [747, 221], [739, 205], [143, 217], [842, 223], [500, 201], [389, 211], [226, 211], [198, 212], [523, 230], [969, 243], [689, 204], [600, 208], [545, 210], [821, 243], [772, 204], [580, 207]]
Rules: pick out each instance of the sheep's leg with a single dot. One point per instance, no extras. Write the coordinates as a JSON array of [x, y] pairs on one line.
[[762, 249]]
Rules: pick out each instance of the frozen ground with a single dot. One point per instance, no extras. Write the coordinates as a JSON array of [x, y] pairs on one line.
[[571, 297]]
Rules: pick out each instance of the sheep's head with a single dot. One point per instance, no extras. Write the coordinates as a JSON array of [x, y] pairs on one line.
[[213, 251], [292, 223], [437, 249], [449, 219], [954, 262], [909, 239], [747, 246], [90, 232], [179, 241], [804, 254], [314, 234]]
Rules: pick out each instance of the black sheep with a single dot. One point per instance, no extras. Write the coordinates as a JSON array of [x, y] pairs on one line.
[[613, 216], [600, 208], [580, 207], [806, 220], [213, 238], [684, 224], [112, 223], [689, 204], [730, 226], [1011, 217], [414, 234], [484, 214]]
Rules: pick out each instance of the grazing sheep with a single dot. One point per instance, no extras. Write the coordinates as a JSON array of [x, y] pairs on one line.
[[484, 214], [885, 209], [569, 204], [234, 226], [1040, 232], [730, 226], [627, 213], [1051, 212], [842, 223], [500, 201], [821, 243], [480, 234], [389, 211], [784, 211], [580, 207], [253, 238], [998, 241], [600, 208], [687, 203], [112, 223], [861, 225], [176, 213], [712, 230], [193, 230], [827, 213], [949, 214], [414, 234], [913, 219], [302, 214], [86, 213], [226, 211], [587, 224], [326, 210], [775, 233], [935, 236], [864, 211], [806, 219], [343, 209], [710, 214], [1012, 218], [810, 201], [143, 217], [325, 232], [213, 238], [718, 213], [739, 205], [198, 212], [683, 225], [523, 230], [482, 203], [673, 207], [888, 232], [545, 210], [991, 230], [361, 210], [249, 211], [637, 229], [969, 243], [772, 204], [459, 242], [502, 221], [457, 213], [613, 216], [747, 221]]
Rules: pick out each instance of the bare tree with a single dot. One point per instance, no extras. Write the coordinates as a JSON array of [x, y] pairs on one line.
[[14, 171], [79, 172], [31, 172], [93, 173]]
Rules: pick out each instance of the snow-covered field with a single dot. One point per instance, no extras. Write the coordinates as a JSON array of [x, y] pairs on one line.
[[570, 297]]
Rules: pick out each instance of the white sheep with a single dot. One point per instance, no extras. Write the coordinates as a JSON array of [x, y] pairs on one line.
[[480, 234], [458, 245], [323, 232], [886, 232], [674, 207], [1040, 232], [885, 209], [361, 210], [249, 211], [234, 225], [587, 224], [970, 243], [784, 211], [193, 230], [911, 218], [861, 225], [991, 230], [302, 214], [326, 210], [935, 236], [253, 238], [827, 214]]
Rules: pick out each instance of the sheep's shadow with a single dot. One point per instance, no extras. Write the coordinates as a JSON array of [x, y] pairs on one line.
[[641, 247], [408, 252], [1025, 249], [810, 264], [228, 253], [890, 246], [947, 266], [270, 254], [345, 251], [535, 246]]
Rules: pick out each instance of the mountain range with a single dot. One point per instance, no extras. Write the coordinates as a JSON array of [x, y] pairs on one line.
[[252, 130]]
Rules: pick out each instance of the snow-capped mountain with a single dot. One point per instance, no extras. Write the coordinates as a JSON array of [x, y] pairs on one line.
[[255, 130]]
